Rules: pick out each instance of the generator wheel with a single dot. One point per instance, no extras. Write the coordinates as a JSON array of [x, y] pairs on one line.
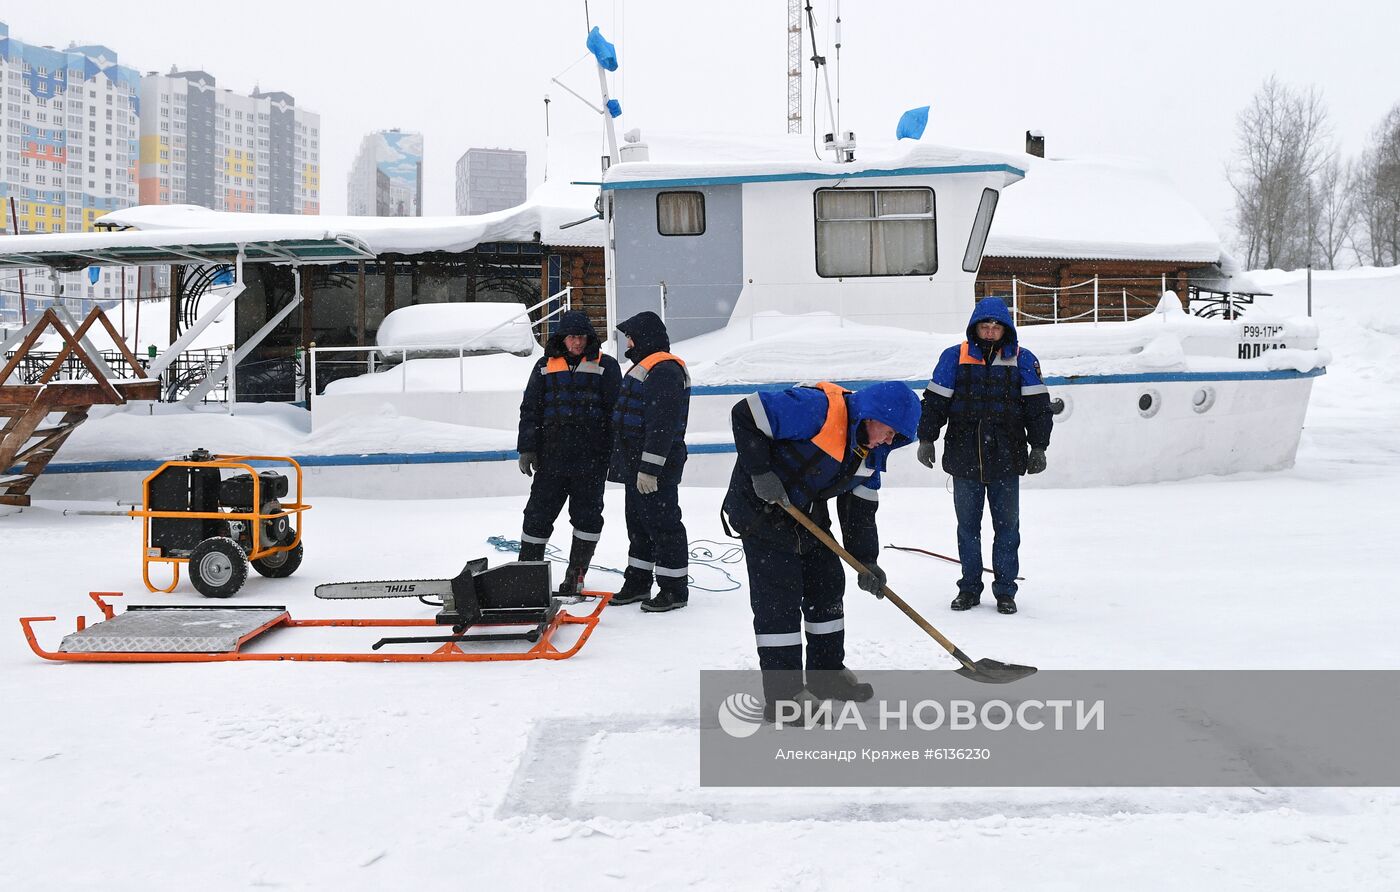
[[218, 567], [281, 563]]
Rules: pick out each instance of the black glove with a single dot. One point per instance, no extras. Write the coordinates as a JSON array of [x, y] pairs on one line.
[[872, 580], [926, 454], [1035, 462], [529, 461], [770, 488]]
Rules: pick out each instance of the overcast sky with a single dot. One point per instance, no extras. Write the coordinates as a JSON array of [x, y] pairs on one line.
[[1161, 81]]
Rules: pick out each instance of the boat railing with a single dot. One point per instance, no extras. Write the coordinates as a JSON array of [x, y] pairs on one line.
[[329, 364], [1100, 299]]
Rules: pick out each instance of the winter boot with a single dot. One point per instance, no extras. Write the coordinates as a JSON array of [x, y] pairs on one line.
[[531, 551], [667, 599], [1006, 605], [580, 555], [966, 600], [838, 684], [634, 589], [803, 700], [782, 686]]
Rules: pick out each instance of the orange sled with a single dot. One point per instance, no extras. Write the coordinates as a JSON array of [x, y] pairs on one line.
[[215, 634]]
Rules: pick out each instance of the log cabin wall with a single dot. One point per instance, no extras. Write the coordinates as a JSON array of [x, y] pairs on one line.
[[582, 268], [1127, 288]]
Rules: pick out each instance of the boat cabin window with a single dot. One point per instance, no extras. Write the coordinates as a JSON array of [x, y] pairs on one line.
[[680, 213], [972, 257], [876, 232]]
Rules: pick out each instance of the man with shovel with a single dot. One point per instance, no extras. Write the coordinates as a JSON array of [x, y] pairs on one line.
[[798, 449]]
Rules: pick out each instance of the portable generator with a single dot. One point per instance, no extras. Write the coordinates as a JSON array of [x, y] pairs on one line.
[[193, 514]]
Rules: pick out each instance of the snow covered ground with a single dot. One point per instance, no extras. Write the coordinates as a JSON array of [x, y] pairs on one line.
[[585, 773]]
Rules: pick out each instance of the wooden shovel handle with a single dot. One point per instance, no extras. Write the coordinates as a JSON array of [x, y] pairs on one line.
[[893, 598]]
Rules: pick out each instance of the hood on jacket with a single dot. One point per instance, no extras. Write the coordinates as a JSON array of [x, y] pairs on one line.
[[993, 309], [648, 334], [574, 322], [889, 402]]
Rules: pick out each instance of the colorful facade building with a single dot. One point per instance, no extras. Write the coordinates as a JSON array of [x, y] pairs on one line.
[[209, 146], [69, 121], [386, 179]]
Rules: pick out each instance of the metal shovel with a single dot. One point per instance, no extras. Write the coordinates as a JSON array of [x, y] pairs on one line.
[[987, 671]]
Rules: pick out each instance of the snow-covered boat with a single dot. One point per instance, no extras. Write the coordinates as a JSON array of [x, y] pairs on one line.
[[773, 269], [775, 272]]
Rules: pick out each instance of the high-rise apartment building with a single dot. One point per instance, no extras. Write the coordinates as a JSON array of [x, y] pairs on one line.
[[206, 145], [68, 121], [386, 179], [490, 180]]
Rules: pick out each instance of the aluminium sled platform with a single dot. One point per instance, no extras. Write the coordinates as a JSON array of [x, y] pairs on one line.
[[213, 634]]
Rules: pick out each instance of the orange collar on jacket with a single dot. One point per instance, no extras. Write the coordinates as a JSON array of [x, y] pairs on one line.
[[660, 356], [561, 363], [965, 356], [831, 439]]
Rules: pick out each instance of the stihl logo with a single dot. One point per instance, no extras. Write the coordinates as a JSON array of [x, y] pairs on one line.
[[399, 589]]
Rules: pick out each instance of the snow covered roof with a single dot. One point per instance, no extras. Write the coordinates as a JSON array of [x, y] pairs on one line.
[[179, 233], [75, 250], [543, 214], [1099, 209], [1090, 208], [696, 162]]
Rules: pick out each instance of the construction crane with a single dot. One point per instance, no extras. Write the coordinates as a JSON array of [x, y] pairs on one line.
[[794, 64]]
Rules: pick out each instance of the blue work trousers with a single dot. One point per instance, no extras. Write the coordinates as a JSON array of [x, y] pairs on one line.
[[1004, 496]]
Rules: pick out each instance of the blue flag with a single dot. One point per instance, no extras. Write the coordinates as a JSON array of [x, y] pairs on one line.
[[912, 123], [604, 52], [94, 273]]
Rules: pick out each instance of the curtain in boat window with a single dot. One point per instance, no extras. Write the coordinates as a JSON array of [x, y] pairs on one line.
[[845, 224], [905, 246], [680, 213], [876, 232]]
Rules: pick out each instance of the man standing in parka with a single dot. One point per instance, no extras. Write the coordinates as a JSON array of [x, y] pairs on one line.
[[989, 392], [648, 456], [565, 439], [804, 446]]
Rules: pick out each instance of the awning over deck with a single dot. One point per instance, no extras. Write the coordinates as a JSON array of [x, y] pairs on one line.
[[76, 250]]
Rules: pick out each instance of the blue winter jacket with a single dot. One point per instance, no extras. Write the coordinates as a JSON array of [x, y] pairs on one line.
[[652, 408], [811, 438], [566, 411], [992, 399]]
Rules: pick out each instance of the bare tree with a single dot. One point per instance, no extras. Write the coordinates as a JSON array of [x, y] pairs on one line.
[[1377, 194], [1283, 143], [1333, 212]]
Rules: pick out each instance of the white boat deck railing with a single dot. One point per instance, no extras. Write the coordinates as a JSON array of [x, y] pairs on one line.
[[376, 356], [1110, 299]]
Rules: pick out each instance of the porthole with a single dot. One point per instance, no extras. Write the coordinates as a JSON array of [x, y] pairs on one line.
[[1203, 399], [1061, 407], [1149, 401]]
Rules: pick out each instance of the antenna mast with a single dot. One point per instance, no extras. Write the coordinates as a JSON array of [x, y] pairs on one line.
[[837, 125], [794, 66], [842, 144]]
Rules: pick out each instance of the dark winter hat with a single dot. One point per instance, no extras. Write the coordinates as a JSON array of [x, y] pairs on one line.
[[993, 309], [889, 402], [575, 322]]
